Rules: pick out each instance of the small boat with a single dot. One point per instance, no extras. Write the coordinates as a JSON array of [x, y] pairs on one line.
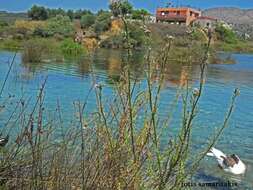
[[231, 164]]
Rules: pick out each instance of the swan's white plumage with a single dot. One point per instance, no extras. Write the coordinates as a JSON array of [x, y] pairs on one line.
[[237, 169]]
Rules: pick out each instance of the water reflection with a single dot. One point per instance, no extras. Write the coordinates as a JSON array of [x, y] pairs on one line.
[[110, 63], [70, 80]]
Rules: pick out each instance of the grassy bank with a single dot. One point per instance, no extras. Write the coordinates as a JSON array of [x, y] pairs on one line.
[[19, 44], [36, 49], [60, 32], [227, 40], [238, 47]]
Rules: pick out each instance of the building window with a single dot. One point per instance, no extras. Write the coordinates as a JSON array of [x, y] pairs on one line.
[[178, 12], [191, 13]]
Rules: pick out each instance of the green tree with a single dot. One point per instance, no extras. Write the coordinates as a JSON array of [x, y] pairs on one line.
[[225, 34], [60, 25], [87, 20], [121, 7], [126, 8], [137, 35], [55, 12], [103, 21], [79, 13], [140, 14], [38, 13], [70, 14]]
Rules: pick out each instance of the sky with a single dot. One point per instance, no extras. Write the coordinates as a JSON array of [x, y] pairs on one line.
[[94, 5]]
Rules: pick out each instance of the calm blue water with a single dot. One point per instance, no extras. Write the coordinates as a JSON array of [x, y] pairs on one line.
[[71, 80]]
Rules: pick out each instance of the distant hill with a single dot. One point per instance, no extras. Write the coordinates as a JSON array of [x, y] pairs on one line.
[[231, 15], [241, 19], [11, 17]]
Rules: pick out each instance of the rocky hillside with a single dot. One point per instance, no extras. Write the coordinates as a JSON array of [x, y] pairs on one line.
[[11, 17], [241, 19]]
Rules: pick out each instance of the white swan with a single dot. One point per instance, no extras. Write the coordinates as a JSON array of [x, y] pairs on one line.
[[231, 164]]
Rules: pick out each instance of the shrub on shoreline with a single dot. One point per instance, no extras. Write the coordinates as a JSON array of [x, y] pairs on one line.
[[11, 44], [60, 25], [87, 20], [33, 50], [103, 22], [225, 34], [70, 48]]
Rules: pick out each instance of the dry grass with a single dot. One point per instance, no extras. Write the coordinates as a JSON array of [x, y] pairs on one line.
[[29, 25]]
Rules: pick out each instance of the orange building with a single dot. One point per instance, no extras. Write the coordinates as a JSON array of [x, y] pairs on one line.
[[178, 15]]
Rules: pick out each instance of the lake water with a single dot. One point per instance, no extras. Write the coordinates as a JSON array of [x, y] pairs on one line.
[[70, 81]]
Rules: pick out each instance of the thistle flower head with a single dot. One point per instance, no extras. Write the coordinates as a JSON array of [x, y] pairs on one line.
[[98, 86], [169, 37], [196, 92], [237, 92]]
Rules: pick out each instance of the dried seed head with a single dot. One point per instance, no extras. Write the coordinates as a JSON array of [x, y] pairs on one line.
[[98, 86], [196, 92], [169, 37], [237, 92]]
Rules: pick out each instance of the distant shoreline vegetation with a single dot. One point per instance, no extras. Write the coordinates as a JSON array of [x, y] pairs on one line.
[[72, 33], [82, 26]]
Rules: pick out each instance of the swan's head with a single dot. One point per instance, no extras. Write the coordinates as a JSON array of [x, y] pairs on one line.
[[235, 158]]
